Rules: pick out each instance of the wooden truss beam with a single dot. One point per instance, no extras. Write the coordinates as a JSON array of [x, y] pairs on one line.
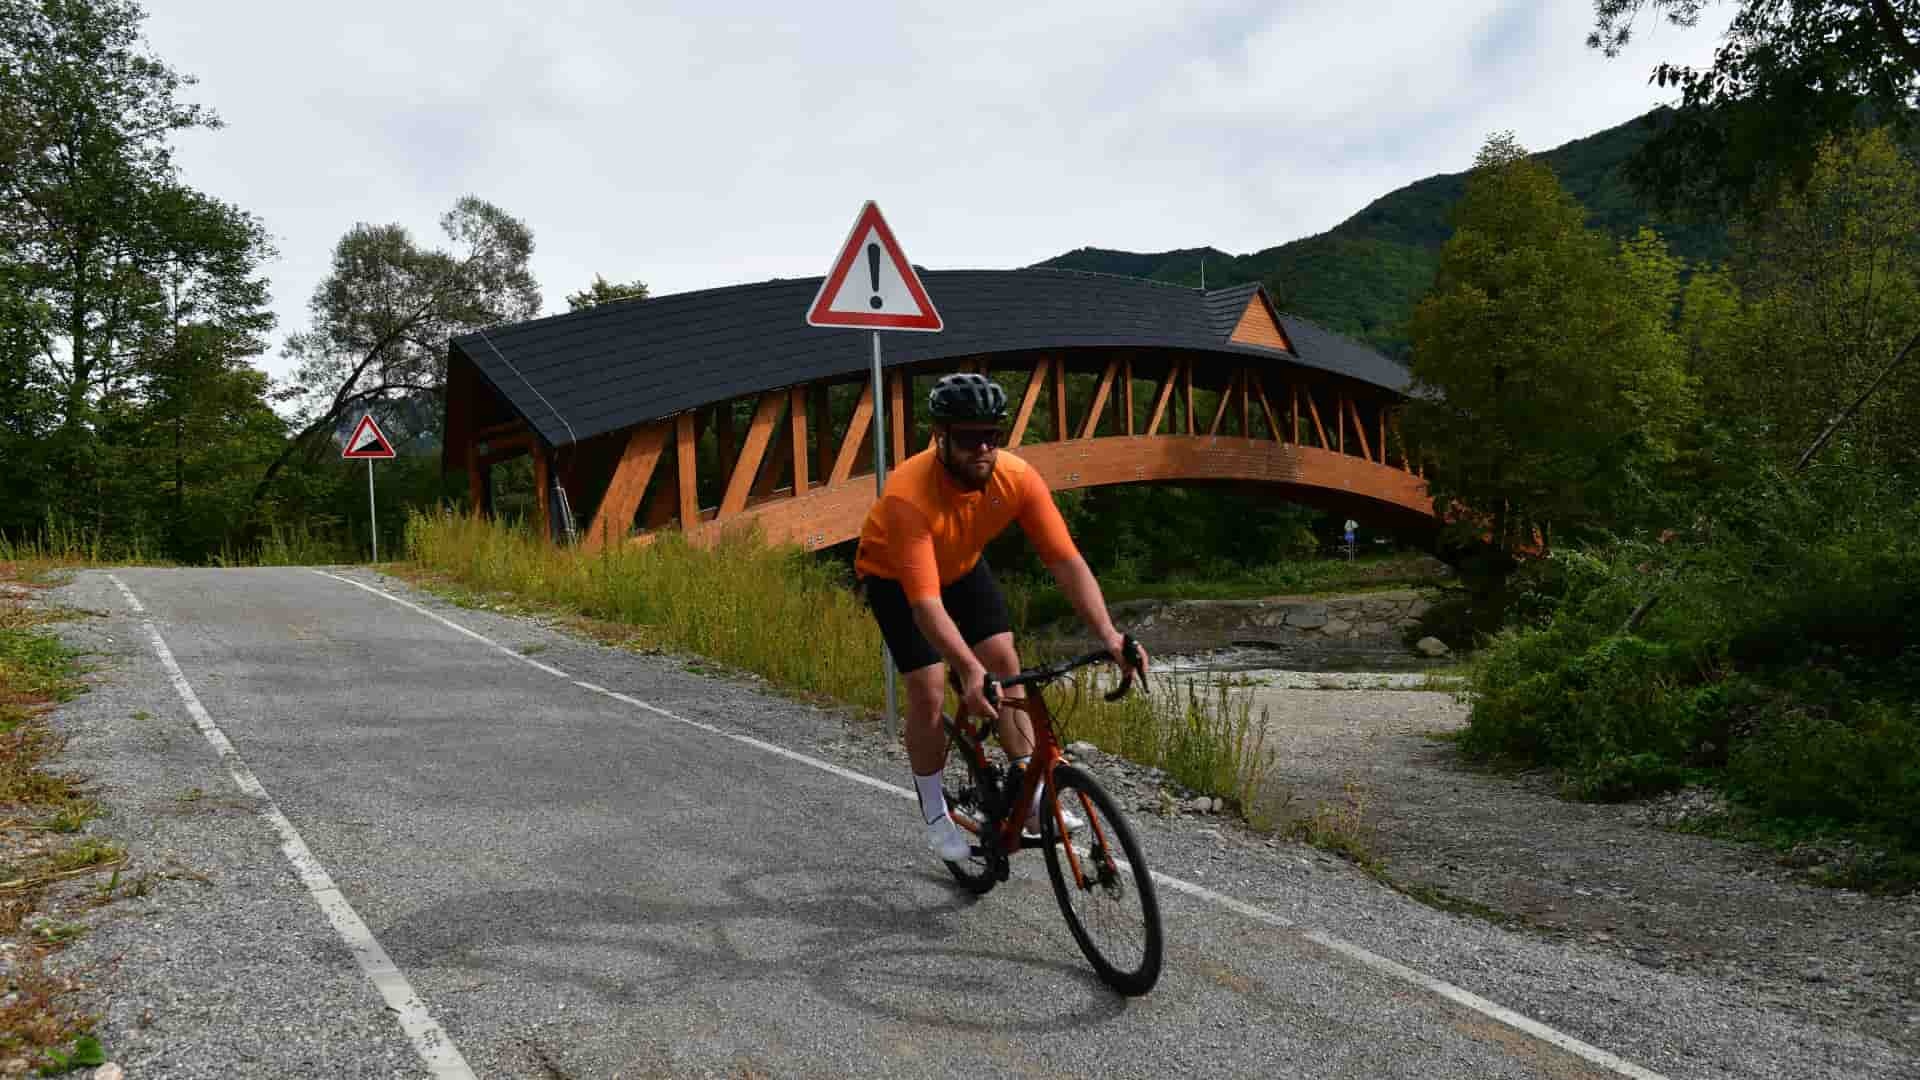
[[684, 447], [823, 430], [495, 431], [856, 431], [1166, 394], [542, 488], [1359, 429], [1126, 367], [1059, 398], [1100, 400], [1186, 377], [740, 484], [797, 428], [1226, 398], [1246, 402], [1318, 427], [642, 455], [1266, 408], [1027, 400], [897, 412]]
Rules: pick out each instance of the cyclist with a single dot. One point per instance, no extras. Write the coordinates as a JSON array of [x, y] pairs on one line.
[[921, 567]]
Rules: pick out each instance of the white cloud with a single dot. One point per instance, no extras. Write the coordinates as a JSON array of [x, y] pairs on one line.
[[693, 146]]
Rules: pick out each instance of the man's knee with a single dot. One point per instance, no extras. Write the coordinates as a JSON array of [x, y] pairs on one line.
[[926, 692], [998, 655]]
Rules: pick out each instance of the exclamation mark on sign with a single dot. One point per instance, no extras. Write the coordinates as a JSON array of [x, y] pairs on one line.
[[873, 273]]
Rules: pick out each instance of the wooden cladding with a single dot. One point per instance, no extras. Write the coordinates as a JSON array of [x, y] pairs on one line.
[[1259, 325], [793, 460]]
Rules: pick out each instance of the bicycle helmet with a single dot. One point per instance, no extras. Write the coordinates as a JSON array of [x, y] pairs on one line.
[[964, 398]]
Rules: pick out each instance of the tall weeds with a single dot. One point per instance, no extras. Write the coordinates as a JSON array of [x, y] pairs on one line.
[[795, 620]]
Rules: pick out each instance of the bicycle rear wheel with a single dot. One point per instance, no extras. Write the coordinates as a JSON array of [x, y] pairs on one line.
[[971, 793], [1104, 887]]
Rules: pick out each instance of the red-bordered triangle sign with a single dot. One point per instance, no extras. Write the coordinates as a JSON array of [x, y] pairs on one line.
[[872, 285], [367, 441]]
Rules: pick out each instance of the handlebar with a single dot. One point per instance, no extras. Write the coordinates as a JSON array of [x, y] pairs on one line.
[[1129, 648]]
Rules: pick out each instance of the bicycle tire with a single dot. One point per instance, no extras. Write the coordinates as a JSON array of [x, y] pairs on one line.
[[974, 801], [1124, 974]]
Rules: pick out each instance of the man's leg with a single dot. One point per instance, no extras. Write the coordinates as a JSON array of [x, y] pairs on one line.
[[1016, 727], [926, 742], [925, 677], [1003, 660]]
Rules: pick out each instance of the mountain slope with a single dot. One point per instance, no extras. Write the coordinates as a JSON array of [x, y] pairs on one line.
[[1364, 276]]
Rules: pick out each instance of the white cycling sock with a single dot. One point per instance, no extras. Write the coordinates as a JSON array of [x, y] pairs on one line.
[[933, 804], [1021, 763]]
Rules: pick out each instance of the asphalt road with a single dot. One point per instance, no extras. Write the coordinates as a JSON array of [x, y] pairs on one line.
[[577, 886]]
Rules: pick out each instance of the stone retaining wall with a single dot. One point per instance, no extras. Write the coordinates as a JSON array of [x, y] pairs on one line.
[[1370, 621]]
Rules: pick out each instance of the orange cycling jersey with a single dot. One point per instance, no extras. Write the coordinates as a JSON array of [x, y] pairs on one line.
[[926, 531]]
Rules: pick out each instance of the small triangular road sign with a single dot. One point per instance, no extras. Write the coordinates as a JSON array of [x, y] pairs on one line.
[[872, 285], [367, 441]]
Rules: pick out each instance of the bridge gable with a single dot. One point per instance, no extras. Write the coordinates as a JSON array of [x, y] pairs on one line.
[[1260, 325]]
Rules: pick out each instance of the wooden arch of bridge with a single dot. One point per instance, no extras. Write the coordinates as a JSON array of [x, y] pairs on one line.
[[795, 460]]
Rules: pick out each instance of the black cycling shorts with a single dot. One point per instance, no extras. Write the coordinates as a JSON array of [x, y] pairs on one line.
[[974, 601]]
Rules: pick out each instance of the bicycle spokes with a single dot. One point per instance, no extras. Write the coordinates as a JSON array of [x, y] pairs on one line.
[[1101, 882]]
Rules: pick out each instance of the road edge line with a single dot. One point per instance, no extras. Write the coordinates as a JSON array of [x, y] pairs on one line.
[[1494, 1011], [429, 1039]]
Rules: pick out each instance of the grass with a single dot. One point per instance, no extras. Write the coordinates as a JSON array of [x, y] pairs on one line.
[[1342, 829], [793, 620], [1828, 853]]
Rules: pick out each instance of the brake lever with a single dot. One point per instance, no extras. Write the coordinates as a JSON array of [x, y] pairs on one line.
[[1130, 652]]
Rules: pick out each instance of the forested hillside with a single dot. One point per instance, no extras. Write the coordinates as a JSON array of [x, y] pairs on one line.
[[1363, 276]]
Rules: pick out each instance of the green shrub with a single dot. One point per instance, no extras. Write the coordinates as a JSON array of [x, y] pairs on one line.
[[1847, 765]]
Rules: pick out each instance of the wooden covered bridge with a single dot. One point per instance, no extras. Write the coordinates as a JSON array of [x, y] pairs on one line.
[[706, 410]]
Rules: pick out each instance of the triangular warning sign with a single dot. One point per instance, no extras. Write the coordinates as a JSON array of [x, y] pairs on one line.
[[367, 441], [872, 285]]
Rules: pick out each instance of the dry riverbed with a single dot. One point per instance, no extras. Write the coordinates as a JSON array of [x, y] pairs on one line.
[[1606, 877]]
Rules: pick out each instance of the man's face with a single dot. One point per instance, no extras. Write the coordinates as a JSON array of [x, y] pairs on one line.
[[969, 451]]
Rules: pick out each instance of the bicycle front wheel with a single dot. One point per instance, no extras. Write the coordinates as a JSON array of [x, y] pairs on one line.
[[1102, 882]]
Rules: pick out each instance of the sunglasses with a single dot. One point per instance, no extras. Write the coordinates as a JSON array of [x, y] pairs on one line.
[[976, 438]]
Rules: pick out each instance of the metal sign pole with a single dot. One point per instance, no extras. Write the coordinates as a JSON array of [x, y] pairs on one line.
[[879, 488], [370, 518]]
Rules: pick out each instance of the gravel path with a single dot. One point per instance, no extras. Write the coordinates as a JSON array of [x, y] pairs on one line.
[[1600, 878]]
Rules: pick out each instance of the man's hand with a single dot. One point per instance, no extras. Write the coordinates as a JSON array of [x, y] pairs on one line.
[[973, 696], [1117, 648]]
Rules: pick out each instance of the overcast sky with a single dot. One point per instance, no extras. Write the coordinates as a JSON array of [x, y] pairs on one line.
[[698, 145]]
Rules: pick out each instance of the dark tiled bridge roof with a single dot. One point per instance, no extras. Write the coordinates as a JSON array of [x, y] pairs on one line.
[[590, 372]]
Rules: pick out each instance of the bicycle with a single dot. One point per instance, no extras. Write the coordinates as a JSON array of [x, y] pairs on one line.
[[1101, 862]]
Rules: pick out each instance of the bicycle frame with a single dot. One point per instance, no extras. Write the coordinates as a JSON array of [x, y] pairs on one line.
[[1008, 834]]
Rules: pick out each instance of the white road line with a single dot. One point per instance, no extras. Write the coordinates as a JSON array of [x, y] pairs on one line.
[[442, 1058], [1464, 998]]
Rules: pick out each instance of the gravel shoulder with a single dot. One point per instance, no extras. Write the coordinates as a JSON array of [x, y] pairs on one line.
[[1607, 878]]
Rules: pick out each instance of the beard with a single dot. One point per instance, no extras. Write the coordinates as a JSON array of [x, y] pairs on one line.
[[966, 475]]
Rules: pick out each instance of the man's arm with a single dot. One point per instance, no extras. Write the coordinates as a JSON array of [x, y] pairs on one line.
[[1083, 592], [938, 627]]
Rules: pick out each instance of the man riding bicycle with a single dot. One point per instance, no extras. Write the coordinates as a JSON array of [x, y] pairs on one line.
[[922, 568]]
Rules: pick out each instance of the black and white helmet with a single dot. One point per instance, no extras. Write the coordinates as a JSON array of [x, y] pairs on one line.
[[965, 398]]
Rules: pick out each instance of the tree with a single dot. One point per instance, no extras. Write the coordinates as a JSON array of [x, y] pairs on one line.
[[382, 318], [1790, 73], [1822, 298], [1549, 383], [100, 243], [604, 292]]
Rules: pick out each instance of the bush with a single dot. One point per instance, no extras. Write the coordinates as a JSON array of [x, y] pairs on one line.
[[1778, 656], [1845, 765]]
